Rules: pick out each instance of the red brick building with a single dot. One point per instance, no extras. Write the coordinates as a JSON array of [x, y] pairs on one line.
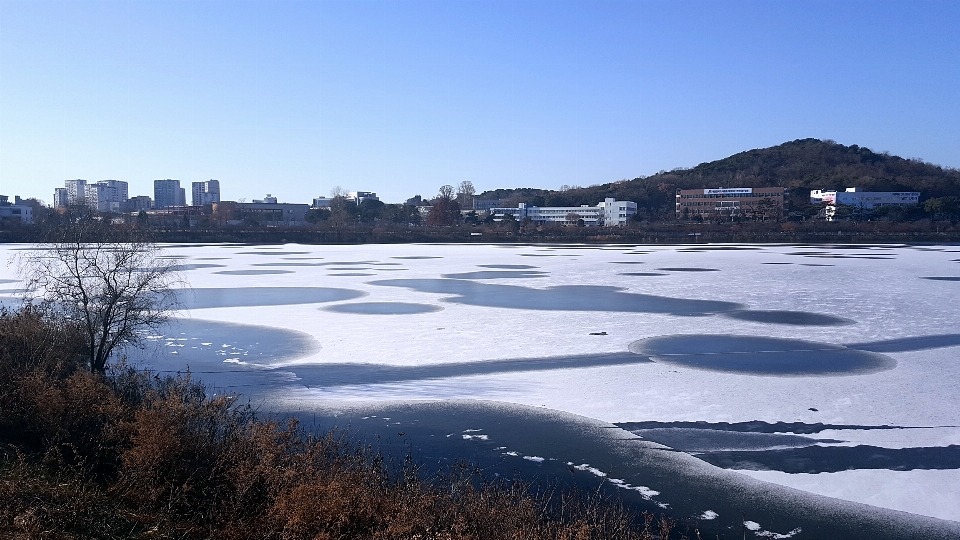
[[727, 203]]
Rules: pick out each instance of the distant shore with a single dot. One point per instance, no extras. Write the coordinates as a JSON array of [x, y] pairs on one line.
[[653, 233]]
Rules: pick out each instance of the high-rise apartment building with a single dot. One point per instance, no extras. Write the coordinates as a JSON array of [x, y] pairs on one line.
[[61, 199], [167, 193], [106, 195], [205, 193], [76, 191]]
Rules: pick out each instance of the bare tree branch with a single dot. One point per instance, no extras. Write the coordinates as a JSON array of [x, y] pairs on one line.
[[112, 282]]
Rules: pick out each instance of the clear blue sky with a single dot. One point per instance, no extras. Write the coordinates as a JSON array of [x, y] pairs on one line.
[[400, 97]]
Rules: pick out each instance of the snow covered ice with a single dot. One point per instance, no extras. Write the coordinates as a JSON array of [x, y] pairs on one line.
[[830, 369]]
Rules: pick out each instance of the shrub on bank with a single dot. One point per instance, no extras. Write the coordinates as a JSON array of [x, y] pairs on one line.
[[132, 455]]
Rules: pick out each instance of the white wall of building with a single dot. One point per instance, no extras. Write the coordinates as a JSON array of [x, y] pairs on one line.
[[610, 212]]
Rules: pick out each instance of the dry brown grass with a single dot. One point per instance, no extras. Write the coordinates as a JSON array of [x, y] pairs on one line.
[[129, 455]]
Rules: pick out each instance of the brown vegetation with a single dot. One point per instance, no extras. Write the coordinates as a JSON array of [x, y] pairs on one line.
[[130, 455]]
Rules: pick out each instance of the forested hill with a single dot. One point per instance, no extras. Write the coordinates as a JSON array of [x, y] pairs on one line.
[[799, 166]]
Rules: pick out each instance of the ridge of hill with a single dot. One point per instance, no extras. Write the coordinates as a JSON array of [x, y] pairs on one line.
[[798, 166]]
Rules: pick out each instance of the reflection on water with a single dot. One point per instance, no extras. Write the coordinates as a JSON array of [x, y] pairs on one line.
[[797, 318], [564, 297], [761, 355], [200, 298]]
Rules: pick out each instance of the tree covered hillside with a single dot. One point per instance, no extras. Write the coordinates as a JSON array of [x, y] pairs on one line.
[[798, 166]]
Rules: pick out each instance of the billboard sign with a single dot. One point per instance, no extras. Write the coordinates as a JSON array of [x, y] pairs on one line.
[[728, 191]]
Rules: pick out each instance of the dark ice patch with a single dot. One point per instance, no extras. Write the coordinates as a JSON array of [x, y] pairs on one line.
[[643, 274], [796, 318], [689, 269], [823, 459], [326, 375], [288, 264], [761, 355], [272, 252], [562, 298], [198, 266], [942, 278], [497, 274], [509, 266], [205, 345], [917, 343], [200, 298], [252, 272], [383, 308], [627, 262], [756, 426], [417, 257], [712, 440], [343, 274], [777, 263]]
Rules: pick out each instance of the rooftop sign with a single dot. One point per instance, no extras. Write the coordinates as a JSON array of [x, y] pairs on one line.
[[728, 191]]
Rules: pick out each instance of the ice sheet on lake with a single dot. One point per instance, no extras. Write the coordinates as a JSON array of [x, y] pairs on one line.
[[487, 329]]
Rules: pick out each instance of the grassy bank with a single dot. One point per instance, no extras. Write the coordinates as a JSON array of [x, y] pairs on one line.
[[133, 455]]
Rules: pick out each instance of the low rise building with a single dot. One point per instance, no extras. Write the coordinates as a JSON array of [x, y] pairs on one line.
[[138, 203], [610, 212], [272, 214], [16, 211], [863, 200], [725, 203], [360, 196]]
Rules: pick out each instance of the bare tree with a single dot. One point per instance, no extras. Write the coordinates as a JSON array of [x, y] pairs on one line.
[[446, 192], [337, 191], [465, 193], [113, 284]]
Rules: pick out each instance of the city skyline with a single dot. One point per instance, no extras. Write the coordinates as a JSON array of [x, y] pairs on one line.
[[403, 97]]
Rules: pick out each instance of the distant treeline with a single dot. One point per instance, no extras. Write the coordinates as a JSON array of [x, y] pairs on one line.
[[797, 166]]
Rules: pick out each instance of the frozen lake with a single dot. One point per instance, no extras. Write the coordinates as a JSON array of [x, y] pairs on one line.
[[830, 369]]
